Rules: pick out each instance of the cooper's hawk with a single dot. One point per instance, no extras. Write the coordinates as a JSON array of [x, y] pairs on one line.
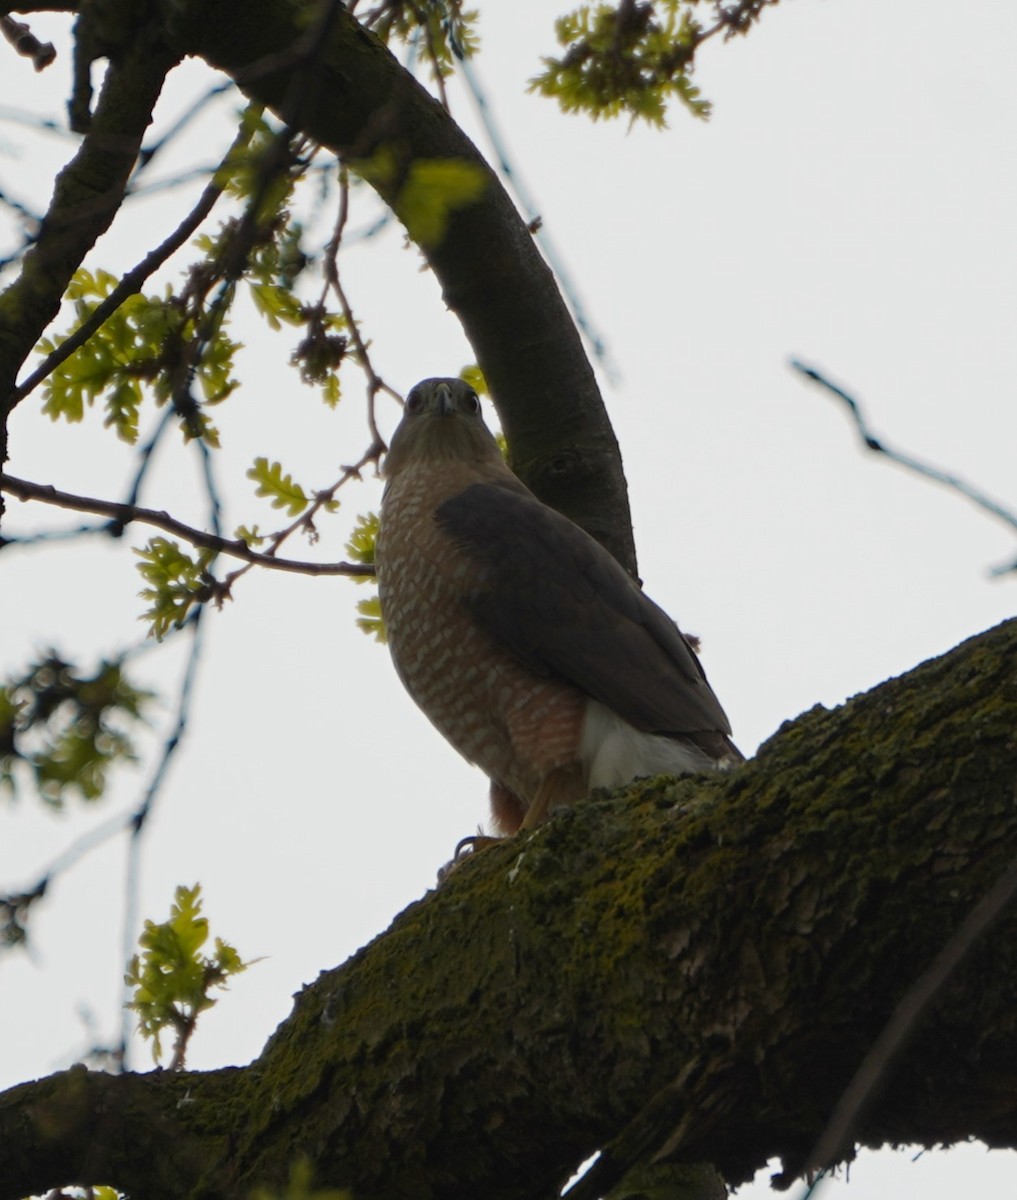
[[521, 638]]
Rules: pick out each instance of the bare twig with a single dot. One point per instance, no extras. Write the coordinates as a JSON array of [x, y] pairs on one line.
[[879, 446], [26, 43], [330, 268], [194, 109], [124, 514], [596, 342]]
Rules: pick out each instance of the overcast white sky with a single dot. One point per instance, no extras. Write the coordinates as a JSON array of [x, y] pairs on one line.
[[851, 202]]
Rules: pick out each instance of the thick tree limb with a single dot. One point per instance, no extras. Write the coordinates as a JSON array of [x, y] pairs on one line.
[[694, 973]]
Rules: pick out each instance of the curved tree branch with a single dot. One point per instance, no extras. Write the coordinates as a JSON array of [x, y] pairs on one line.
[[344, 88], [354, 97], [691, 972]]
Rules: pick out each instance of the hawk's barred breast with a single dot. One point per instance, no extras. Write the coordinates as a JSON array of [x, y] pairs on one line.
[[514, 725]]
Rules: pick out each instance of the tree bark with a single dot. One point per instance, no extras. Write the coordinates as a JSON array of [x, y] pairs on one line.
[[691, 971]]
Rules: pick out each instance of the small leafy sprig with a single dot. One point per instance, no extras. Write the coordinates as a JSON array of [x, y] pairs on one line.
[[635, 56], [177, 581], [624, 59], [172, 978]]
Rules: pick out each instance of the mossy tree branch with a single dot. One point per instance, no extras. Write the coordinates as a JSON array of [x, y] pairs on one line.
[[692, 972]]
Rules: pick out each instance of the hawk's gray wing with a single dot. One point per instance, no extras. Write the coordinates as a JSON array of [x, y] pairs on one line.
[[559, 602]]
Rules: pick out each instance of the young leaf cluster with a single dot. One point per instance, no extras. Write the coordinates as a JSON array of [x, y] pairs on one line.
[[360, 548], [132, 348], [261, 173], [628, 58], [176, 582], [448, 31], [172, 978], [67, 727], [138, 345]]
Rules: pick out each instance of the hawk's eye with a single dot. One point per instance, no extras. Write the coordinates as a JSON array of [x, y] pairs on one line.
[[471, 404], [414, 402]]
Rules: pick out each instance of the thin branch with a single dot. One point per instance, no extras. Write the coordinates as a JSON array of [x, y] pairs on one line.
[[35, 122], [124, 514], [305, 521], [879, 446], [87, 194], [194, 109], [595, 340], [145, 455], [55, 535], [14, 906], [330, 268], [19, 209]]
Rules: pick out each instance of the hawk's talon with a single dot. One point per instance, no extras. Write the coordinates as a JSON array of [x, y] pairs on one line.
[[465, 848], [475, 842]]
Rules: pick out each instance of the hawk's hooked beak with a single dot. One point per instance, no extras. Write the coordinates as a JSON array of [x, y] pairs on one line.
[[443, 398]]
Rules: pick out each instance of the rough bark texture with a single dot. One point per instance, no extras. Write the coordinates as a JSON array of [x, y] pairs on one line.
[[693, 970], [349, 93]]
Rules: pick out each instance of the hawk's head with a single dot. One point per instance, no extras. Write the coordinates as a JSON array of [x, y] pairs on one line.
[[442, 420]]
